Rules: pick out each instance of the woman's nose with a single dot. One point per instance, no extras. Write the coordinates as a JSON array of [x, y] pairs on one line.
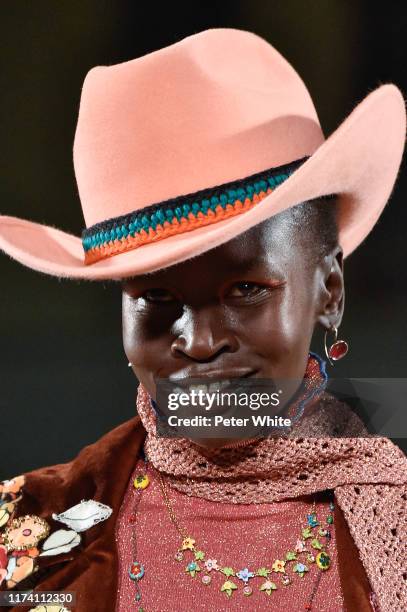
[[203, 336]]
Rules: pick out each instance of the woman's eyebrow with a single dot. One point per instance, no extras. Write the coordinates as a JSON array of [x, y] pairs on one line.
[[253, 264]]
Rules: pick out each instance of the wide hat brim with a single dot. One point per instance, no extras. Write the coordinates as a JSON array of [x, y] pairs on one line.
[[359, 162]]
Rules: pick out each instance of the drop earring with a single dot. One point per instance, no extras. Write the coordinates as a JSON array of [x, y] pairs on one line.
[[338, 349], [129, 364]]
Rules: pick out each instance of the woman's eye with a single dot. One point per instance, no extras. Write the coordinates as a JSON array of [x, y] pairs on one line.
[[245, 289], [158, 295]]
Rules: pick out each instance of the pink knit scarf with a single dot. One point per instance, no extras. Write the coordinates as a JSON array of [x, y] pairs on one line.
[[368, 475]]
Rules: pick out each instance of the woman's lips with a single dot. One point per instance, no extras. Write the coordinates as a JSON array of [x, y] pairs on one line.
[[216, 375]]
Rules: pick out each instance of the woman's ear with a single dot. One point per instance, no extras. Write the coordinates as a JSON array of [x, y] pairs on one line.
[[332, 290]]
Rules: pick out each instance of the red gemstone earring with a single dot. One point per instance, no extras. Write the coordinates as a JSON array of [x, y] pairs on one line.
[[338, 349]]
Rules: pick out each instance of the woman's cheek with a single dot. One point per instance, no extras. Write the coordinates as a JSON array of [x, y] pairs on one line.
[[282, 333]]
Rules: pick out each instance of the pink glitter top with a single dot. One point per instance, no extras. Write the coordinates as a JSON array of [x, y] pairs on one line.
[[244, 535]]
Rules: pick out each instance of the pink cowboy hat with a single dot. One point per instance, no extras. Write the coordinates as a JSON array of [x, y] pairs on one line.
[[185, 148]]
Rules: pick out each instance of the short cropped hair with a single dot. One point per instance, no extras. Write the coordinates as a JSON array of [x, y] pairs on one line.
[[317, 220]]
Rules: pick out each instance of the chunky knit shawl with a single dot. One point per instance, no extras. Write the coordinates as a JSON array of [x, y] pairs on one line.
[[324, 451]]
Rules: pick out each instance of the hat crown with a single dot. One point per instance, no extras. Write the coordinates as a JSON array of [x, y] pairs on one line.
[[215, 107]]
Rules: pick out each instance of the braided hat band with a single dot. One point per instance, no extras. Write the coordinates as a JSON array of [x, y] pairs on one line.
[[181, 214]]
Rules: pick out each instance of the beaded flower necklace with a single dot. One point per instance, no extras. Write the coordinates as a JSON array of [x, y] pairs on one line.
[[311, 547]]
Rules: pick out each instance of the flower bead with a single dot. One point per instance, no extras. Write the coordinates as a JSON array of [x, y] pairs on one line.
[[247, 590], [179, 555], [323, 560], [136, 571], [316, 544], [188, 544], [211, 564], [199, 555], [300, 568], [192, 568], [312, 520], [244, 575], [228, 587], [300, 546], [268, 587], [206, 579], [141, 482], [278, 566]]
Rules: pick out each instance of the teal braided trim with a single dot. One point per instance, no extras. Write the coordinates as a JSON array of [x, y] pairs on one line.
[[117, 228]]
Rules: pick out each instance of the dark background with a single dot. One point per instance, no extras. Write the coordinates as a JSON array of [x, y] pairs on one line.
[[63, 372]]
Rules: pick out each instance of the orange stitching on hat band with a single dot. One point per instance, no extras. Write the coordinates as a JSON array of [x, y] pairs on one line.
[[181, 214]]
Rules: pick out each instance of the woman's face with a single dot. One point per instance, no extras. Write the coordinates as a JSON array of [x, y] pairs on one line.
[[245, 308]]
